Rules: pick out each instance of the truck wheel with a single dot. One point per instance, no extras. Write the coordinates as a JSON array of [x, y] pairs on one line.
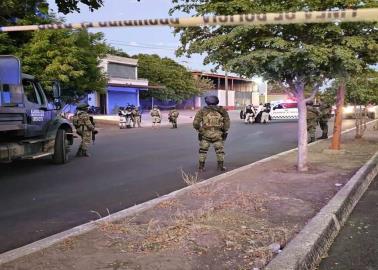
[[61, 148]]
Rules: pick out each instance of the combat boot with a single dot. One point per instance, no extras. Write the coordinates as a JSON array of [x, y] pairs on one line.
[[201, 166], [79, 153], [221, 167], [311, 140], [86, 154]]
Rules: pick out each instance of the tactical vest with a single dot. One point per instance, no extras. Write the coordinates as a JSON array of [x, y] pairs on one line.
[[155, 113], [212, 119]]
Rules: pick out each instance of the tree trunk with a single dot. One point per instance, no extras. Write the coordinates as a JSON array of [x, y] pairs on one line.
[[361, 116], [358, 121], [302, 130], [336, 139]]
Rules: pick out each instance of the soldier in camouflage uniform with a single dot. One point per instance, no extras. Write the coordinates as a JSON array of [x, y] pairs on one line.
[[136, 117], [212, 123], [172, 117], [325, 113], [312, 120], [156, 116], [84, 128]]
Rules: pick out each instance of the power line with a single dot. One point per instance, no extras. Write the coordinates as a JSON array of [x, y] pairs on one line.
[[143, 46]]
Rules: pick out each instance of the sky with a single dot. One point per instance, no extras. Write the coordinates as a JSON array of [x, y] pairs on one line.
[[148, 40]]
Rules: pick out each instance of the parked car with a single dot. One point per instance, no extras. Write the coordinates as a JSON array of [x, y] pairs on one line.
[[285, 111]]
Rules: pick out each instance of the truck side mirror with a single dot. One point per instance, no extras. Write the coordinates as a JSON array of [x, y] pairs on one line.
[[57, 93], [56, 90]]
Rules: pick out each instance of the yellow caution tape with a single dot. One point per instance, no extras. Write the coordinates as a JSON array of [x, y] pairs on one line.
[[348, 15]]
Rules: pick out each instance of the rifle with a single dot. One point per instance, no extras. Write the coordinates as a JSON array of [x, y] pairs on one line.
[[94, 131]]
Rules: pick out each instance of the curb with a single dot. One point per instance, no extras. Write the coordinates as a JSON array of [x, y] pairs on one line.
[[306, 250], [84, 228]]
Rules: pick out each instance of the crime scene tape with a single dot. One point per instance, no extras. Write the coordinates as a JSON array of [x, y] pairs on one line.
[[348, 15]]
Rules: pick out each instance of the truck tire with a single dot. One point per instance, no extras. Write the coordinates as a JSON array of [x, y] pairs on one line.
[[60, 148]]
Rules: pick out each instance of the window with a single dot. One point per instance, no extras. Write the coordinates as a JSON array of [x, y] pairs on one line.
[[122, 71], [10, 95], [31, 92]]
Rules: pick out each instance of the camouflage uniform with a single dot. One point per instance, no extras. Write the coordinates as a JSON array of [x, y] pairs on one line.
[[172, 116], [212, 123], [325, 114], [84, 128], [136, 117], [156, 116], [312, 121]]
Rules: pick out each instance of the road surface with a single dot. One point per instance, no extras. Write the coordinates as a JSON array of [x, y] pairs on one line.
[[127, 167], [356, 247]]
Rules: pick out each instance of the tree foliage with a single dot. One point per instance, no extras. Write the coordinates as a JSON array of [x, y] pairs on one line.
[[12, 10], [72, 57], [299, 56], [15, 12], [176, 82], [68, 6], [362, 89]]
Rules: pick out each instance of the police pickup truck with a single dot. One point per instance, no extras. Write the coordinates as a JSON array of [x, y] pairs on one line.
[[30, 127]]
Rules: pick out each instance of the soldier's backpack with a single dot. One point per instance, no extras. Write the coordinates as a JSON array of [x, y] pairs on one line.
[[212, 119]]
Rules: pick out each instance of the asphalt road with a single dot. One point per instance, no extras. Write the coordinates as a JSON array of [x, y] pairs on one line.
[[127, 167], [356, 247]]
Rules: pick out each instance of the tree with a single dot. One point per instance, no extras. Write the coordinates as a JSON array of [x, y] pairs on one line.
[[72, 57], [68, 6], [361, 91], [15, 12], [203, 84], [11, 10], [299, 56], [26, 12], [177, 84]]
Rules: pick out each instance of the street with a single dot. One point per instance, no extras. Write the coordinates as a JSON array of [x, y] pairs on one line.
[[356, 246], [127, 167]]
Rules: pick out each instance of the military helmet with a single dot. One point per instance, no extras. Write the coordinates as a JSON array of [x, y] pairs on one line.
[[155, 106], [211, 100], [82, 106]]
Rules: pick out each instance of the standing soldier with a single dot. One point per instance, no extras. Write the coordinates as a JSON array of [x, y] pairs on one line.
[[84, 128], [212, 123], [325, 114], [137, 117], [312, 120], [156, 116], [172, 117]]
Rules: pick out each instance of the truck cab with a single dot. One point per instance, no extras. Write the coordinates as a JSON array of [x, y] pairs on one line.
[[30, 126]]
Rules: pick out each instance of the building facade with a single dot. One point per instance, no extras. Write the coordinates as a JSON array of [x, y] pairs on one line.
[[233, 92], [123, 87]]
